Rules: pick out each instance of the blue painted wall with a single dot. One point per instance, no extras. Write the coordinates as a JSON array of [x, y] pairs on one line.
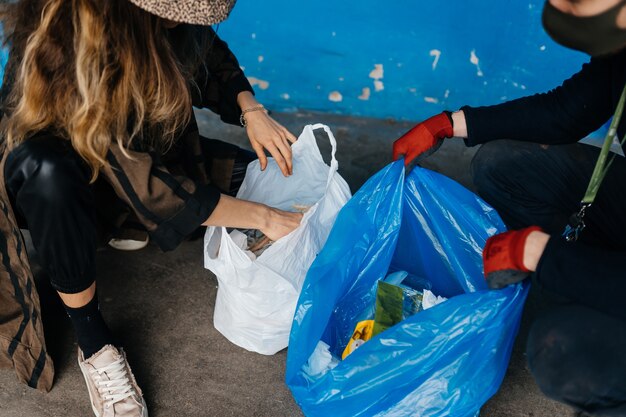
[[434, 54], [4, 54], [403, 59]]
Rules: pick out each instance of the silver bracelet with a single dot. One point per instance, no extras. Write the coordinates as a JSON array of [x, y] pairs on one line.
[[242, 119]]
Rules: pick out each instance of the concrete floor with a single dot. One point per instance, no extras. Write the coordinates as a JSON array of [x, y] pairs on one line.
[[160, 305]]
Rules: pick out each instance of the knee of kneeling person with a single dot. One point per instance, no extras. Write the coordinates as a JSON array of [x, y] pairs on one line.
[[46, 170], [548, 379], [548, 361], [489, 165]]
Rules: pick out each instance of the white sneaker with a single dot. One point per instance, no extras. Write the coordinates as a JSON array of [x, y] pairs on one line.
[[129, 237], [129, 244], [112, 388]]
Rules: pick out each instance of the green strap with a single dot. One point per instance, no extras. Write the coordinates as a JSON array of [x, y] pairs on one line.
[[604, 162]]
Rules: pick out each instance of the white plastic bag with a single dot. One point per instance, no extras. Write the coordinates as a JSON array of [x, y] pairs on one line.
[[256, 299]]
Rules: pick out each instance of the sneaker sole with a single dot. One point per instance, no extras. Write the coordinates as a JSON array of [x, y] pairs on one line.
[[128, 244]]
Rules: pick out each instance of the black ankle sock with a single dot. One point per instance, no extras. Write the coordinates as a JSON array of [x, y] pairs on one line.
[[91, 330]]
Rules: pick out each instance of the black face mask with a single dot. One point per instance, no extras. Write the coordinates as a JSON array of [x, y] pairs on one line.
[[594, 35]]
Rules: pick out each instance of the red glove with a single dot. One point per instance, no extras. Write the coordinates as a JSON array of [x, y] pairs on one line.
[[424, 139], [503, 258]]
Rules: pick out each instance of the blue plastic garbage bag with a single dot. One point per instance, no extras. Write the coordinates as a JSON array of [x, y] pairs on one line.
[[445, 361]]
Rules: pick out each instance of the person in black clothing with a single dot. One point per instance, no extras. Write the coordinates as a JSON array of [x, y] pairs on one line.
[[532, 170]]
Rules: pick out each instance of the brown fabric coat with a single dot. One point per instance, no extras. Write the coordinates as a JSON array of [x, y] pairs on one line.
[[171, 194]]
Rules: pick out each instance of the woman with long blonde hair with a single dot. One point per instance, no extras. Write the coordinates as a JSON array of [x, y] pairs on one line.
[[98, 126]]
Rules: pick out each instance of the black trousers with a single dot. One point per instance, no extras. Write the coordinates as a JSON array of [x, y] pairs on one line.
[[48, 185], [577, 354]]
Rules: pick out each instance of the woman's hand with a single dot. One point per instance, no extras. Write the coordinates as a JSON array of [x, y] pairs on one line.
[[266, 133], [280, 223]]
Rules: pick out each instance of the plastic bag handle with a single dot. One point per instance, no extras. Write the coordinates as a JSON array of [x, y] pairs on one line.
[[334, 165]]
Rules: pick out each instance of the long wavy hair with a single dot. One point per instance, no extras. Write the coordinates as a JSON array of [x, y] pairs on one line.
[[97, 72]]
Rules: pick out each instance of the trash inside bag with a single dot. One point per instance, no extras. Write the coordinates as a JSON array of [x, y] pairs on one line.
[[430, 300], [320, 361], [445, 360], [397, 299], [362, 333], [399, 296], [252, 242], [259, 280]]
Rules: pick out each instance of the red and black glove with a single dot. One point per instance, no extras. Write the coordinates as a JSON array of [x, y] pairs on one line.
[[503, 258], [424, 139]]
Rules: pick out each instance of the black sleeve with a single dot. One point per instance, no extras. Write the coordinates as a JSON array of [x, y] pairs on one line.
[[581, 105], [592, 276], [220, 80]]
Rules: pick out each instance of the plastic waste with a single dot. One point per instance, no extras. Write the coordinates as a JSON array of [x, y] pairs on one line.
[[362, 333], [321, 361], [430, 300], [240, 240], [444, 361], [259, 282]]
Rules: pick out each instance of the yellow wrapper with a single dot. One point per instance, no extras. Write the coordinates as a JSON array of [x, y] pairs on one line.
[[362, 333]]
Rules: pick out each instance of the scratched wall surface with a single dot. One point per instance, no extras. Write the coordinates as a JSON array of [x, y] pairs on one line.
[[404, 59], [4, 55]]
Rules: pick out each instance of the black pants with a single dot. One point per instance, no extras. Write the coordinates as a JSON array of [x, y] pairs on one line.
[[577, 354], [48, 184]]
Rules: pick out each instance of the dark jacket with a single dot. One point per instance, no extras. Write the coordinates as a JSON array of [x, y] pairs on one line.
[[171, 194], [565, 115]]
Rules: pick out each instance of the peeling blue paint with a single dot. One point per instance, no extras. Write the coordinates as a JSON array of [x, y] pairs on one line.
[[426, 48], [434, 55], [4, 54]]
